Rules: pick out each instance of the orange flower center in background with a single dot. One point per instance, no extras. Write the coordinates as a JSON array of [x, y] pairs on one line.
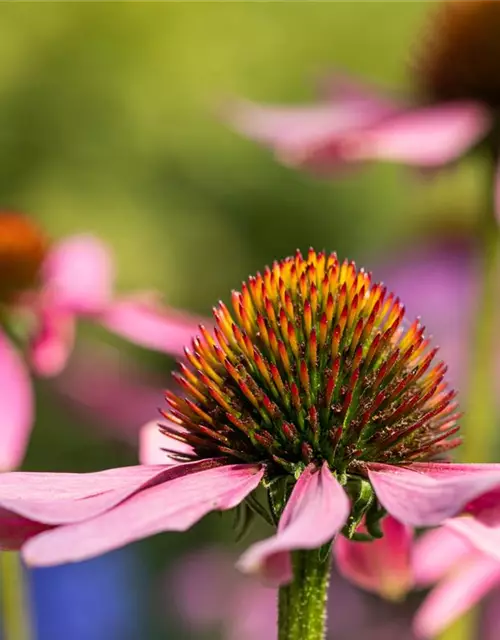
[[459, 56], [22, 250]]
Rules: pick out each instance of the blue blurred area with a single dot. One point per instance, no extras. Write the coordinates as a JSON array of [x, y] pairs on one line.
[[101, 599]]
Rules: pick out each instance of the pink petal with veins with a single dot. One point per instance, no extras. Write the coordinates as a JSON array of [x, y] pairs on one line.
[[316, 510]]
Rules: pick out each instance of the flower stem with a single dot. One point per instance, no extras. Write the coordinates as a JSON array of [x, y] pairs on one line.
[[14, 604], [480, 410], [302, 604]]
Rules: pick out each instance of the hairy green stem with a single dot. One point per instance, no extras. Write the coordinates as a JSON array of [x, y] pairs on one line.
[[14, 608], [302, 604]]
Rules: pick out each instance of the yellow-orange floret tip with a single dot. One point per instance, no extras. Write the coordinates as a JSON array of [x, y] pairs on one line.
[[314, 363]]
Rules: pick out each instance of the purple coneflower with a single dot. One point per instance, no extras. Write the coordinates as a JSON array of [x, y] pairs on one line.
[[44, 289], [455, 107], [316, 388]]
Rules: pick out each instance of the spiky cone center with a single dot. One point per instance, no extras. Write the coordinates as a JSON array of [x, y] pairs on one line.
[[23, 248], [457, 58], [315, 364]]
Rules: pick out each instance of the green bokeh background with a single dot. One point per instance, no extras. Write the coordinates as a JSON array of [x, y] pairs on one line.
[[109, 123]]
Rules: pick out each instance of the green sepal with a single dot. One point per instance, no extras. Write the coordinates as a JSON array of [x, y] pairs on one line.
[[362, 498]]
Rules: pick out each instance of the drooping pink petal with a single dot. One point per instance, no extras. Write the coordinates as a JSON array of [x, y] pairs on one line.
[[436, 553], [479, 534], [51, 345], [150, 325], [57, 498], [426, 498], [457, 593], [426, 136], [78, 274], [308, 134], [152, 443], [443, 470], [382, 566], [317, 509], [173, 505], [16, 406]]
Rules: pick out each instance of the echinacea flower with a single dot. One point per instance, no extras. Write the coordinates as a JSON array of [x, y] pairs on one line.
[[316, 388], [455, 108], [44, 289]]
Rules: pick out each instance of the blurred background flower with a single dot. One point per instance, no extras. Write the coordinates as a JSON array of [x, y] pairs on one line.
[[109, 125], [243, 609]]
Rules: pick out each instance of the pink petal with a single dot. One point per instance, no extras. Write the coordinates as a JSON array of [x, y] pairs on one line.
[[114, 393], [16, 530], [427, 136], [427, 498], [56, 498], [16, 406], [150, 325], [441, 470], [174, 505], [152, 443], [382, 566], [79, 274], [481, 536], [436, 552], [339, 87], [317, 509], [455, 595], [51, 346], [496, 194], [309, 134]]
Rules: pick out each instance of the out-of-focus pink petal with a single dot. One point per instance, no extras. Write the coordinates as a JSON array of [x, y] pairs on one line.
[[16, 406], [497, 192], [438, 281], [187, 587], [152, 443], [150, 325], [15, 530], [382, 566], [427, 136], [419, 499], [174, 505], [436, 553], [457, 593], [79, 274], [479, 534], [111, 390], [305, 133], [51, 346], [340, 87], [317, 509]]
